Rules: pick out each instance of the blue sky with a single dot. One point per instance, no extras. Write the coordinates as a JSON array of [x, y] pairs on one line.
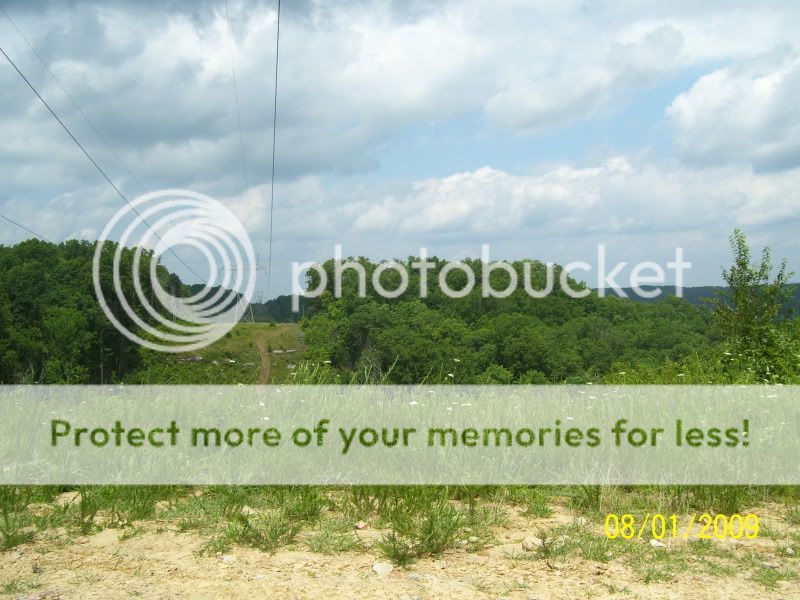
[[541, 128]]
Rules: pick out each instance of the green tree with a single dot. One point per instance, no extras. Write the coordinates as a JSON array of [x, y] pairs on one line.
[[750, 314], [754, 299]]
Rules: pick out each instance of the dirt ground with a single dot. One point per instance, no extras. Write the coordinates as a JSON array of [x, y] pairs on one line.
[[160, 561], [266, 364]]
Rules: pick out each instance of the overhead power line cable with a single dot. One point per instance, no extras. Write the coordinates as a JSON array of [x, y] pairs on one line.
[[236, 97], [91, 159], [21, 226], [274, 138], [74, 103]]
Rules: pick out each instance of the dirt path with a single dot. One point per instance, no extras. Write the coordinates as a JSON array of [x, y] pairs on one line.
[[266, 363]]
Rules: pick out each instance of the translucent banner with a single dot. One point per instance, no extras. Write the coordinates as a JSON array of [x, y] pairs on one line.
[[346, 435]]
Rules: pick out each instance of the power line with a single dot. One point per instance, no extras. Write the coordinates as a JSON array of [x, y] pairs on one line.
[[236, 97], [274, 135], [92, 160], [85, 117], [21, 226]]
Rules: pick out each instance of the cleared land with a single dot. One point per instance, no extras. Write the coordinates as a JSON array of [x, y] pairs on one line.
[[250, 353], [196, 545]]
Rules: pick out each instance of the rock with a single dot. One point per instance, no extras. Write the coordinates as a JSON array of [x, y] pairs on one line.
[[657, 544], [440, 564], [789, 551], [581, 521], [769, 565], [162, 506], [487, 553], [229, 558], [472, 539], [82, 540], [248, 511], [531, 543], [362, 525], [382, 568]]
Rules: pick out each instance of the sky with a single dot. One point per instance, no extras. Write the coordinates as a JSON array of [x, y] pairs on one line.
[[540, 128]]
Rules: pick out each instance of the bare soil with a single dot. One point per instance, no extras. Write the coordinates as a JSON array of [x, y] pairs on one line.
[[266, 362], [159, 561]]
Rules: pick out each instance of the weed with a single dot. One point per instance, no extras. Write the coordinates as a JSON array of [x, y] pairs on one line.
[[770, 577], [655, 573], [792, 515], [421, 528], [588, 498], [397, 549], [18, 586], [13, 500], [333, 537]]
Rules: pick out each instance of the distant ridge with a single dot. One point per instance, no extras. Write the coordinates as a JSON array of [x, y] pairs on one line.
[[694, 295]]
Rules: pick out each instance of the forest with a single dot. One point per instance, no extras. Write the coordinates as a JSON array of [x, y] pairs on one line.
[[53, 331], [747, 333]]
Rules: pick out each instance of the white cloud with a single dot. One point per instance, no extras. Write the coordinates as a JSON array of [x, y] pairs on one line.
[[357, 76], [617, 196], [745, 113], [562, 91]]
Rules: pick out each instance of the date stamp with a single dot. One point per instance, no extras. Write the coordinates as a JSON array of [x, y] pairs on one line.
[[703, 526]]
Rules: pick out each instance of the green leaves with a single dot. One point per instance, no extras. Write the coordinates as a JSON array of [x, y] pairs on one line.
[[751, 316]]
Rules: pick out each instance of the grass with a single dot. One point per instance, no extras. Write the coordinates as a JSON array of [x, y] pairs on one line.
[[414, 522], [792, 515], [18, 586], [233, 359], [335, 535], [770, 577]]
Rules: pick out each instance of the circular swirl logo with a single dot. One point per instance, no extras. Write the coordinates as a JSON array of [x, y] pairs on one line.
[[169, 320]]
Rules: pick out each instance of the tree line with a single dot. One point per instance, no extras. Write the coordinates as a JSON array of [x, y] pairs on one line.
[[741, 335]]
